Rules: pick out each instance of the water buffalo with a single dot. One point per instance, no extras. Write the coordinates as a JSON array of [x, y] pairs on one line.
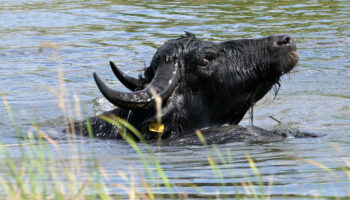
[[201, 84]]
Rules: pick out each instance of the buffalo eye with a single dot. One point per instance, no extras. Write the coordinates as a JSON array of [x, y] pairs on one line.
[[204, 63]]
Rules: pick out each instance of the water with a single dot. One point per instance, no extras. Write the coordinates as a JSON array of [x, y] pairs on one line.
[[315, 96]]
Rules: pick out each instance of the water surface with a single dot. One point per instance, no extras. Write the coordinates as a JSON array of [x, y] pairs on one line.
[[315, 96]]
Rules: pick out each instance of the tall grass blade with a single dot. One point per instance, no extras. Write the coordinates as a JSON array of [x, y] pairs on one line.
[[257, 173]]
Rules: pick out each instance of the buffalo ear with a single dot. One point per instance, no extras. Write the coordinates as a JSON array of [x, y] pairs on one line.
[[188, 35]]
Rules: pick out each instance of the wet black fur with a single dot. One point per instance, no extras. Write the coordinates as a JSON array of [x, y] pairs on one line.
[[239, 73]]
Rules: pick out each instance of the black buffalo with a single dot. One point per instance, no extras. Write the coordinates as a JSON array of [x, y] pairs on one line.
[[201, 84]]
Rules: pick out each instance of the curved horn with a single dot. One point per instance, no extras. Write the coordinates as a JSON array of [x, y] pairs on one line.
[[164, 82], [131, 83]]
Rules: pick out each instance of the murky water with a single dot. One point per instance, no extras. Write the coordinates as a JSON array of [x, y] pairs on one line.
[[87, 34]]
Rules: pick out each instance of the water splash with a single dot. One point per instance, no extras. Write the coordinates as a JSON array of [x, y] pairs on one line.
[[251, 115], [127, 120]]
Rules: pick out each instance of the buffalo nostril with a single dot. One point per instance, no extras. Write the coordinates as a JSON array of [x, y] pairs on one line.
[[283, 41]]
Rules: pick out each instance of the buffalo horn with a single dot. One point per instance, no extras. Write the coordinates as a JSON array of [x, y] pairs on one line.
[[164, 82], [130, 82]]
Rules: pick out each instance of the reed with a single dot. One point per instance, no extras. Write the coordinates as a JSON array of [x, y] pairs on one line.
[[41, 172]]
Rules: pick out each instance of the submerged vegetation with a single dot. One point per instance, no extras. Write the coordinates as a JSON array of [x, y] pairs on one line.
[[42, 170]]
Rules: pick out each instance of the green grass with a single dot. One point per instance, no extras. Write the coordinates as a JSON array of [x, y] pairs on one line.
[[39, 175], [40, 171]]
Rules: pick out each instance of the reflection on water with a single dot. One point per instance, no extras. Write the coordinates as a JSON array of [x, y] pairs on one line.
[[315, 96]]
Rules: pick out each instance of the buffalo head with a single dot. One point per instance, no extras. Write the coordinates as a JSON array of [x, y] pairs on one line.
[[201, 84]]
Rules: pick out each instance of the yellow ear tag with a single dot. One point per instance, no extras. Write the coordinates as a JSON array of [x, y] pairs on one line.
[[156, 127]]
